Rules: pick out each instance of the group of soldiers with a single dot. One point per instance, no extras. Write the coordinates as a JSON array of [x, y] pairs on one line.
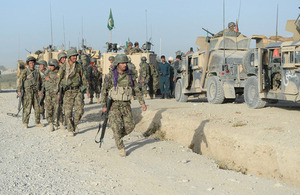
[[63, 83]]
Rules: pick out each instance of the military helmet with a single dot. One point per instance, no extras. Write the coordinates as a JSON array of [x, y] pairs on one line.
[[129, 43], [144, 59], [94, 60], [121, 58], [30, 58], [111, 58], [61, 55], [230, 24], [53, 62], [72, 52], [42, 62]]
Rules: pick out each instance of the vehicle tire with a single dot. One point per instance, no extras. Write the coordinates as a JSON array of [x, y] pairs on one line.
[[272, 101], [248, 60], [215, 92], [179, 95], [251, 95]]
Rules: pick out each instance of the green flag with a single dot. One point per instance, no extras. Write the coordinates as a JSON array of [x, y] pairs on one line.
[[110, 24]]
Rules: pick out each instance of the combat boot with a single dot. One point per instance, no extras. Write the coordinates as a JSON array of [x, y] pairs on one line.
[[70, 134], [39, 125], [91, 101], [76, 130], [168, 96], [25, 125], [122, 152], [62, 127], [51, 127]]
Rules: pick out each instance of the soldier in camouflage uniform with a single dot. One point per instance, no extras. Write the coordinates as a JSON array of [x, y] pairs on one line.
[[228, 32], [50, 84], [42, 70], [154, 80], [128, 50], [70, 76], [132, 68], [92, 77], [30, 81], [136, 48], [62, 56], [144, 76], [119, 87]]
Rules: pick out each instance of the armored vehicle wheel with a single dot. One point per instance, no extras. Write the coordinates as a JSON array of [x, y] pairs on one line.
[[215, 92], [179, 95], [251, 95]]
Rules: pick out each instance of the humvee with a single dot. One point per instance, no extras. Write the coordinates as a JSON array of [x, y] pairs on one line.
[[276, 76], [219, 71]]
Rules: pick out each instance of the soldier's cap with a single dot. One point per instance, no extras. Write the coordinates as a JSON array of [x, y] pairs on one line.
[[178, 57], [162, 57]]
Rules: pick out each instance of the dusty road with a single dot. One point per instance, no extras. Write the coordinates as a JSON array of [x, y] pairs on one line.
[[35, 161]]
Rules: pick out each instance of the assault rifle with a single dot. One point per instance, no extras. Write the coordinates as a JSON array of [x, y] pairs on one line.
[[60, 102], [19, 104], [109, 102], [212, 34]]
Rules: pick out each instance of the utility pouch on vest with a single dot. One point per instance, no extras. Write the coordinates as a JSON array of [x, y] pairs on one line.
[[120, 93]]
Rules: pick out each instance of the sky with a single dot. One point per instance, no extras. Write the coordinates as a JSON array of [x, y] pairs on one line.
[[172, 25]]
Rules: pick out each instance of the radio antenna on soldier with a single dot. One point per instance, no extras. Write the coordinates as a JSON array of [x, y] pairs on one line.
[[64, 33], [51, 25]]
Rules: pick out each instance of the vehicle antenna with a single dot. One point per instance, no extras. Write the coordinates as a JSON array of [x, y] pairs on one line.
[[19, 45], [51, 24], [224, 60], [82, 40], [146, 26], [276, 25], [238, 19]]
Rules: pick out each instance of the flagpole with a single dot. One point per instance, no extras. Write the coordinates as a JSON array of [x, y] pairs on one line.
[[110, 36]]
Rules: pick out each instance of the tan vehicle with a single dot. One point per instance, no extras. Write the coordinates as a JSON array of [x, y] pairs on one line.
[[217, 71]]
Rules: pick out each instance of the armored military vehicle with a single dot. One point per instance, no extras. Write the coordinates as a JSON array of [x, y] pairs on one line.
[[219, 70], [276, 76]]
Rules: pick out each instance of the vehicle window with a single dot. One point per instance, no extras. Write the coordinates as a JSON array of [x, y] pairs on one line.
[[291, 57], [297, 57], [195, 61]]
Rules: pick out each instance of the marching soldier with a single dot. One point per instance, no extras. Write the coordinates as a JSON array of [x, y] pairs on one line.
[[42, 70], [62, 56], [50, 84], [144, 76], [93, 80], [30, 81], [70, 76], [119, 87]]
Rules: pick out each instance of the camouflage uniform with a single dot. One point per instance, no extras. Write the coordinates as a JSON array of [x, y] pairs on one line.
[[51, 96], [136, 50], [30, 81], [228, 32], [73, 82], [144, 78], [42, 104], [92, 77], [127, 51], [119, 87], [154, 80]]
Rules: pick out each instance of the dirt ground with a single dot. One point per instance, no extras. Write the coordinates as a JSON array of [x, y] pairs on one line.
[[36, 161]]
